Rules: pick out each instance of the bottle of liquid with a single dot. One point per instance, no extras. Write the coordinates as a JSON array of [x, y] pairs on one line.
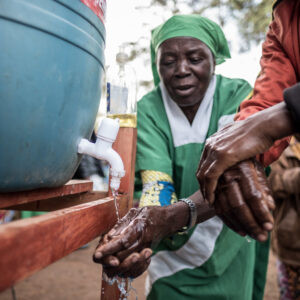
[[122, 91]]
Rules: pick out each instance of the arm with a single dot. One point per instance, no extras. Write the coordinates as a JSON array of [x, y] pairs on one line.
[[240, 141], [231, 148], [147, 225], [125, 251], [277, 73]]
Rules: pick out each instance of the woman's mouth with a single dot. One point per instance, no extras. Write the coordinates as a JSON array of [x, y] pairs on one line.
[[184, 89]]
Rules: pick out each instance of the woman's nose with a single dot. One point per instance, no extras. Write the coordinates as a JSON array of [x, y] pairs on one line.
[[182, 68]]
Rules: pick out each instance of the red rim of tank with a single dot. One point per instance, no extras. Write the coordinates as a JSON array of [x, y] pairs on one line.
[[98, 7]]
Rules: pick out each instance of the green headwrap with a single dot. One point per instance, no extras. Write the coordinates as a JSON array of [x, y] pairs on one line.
[[194, 26]]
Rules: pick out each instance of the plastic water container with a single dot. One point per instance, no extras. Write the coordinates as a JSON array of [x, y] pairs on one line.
[[51, 66]]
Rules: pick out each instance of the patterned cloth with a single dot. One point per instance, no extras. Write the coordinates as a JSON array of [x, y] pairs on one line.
[[158, 189], [288, 281]]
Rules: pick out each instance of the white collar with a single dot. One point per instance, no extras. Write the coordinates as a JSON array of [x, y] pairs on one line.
[[183, 132]]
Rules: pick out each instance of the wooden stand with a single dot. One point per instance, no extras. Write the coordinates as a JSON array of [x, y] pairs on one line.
[[76, 216]]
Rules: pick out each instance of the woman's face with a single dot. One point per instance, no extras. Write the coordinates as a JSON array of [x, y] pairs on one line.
[[185, 66]]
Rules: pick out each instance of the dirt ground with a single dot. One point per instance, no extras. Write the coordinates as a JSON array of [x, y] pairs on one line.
[[76, 277]]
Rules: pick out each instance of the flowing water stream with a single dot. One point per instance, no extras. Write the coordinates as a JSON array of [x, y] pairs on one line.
[[121, 282]]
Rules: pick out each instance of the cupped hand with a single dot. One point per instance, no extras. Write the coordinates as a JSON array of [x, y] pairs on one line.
[[139, 229], [132, 266], [244, 201]]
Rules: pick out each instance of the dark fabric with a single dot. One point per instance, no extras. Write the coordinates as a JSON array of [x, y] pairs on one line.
[[284, 182], [87, 167], [289, 281], [292, 100]]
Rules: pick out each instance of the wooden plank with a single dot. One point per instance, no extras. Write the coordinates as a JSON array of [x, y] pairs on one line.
[[109, 292], [70, 188], [29, 245], [60, 202], [125, 145]]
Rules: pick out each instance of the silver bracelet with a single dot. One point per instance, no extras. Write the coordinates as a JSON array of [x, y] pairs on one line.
[[193, 212]]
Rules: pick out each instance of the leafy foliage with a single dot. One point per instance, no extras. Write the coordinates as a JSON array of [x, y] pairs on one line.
[[252, 16]]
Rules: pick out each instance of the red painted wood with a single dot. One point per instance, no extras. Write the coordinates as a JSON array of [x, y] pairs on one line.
[[29, 245], [60, 202], [125, 145], [109, 292], [70, 188]]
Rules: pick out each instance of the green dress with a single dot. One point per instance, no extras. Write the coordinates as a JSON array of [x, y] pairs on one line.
[[211, 261]]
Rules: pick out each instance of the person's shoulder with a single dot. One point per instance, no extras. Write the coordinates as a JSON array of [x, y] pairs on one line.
[[232, 83], [151, 98], [151, 101], [230, 92]]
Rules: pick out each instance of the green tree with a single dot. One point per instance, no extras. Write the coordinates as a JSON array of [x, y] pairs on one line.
[[252, 16]]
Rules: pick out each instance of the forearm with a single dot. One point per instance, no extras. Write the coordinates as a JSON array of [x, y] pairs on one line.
[[178, 214], [204, 210], [278, 121], [272, 123]]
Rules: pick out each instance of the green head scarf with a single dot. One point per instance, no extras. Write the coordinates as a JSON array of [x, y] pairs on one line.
[[194, 26]]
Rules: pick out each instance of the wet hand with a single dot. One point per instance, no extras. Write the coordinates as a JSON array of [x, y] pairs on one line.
[[132, 266], [139, 229], [244, 201], [239, 141], [232, 144]]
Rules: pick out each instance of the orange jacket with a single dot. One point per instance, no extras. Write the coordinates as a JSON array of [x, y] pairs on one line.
[[280, 67]]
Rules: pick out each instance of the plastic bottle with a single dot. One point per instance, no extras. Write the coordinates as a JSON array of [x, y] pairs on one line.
[[122, 91]]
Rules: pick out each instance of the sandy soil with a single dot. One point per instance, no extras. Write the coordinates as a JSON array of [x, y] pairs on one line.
[[76, 277]]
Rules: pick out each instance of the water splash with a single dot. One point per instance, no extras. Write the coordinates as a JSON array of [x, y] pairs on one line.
[[121, 283], [131, 288], [115, 195]]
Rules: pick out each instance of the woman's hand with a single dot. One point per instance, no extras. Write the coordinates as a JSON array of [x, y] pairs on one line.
[[132, 266], [124, 250], [244, 201]]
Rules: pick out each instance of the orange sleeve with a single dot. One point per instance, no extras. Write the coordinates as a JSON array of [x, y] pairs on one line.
[[277, 73]]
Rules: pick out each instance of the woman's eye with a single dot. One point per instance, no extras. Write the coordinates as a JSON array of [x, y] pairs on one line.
[[168, 62], [196, 59]]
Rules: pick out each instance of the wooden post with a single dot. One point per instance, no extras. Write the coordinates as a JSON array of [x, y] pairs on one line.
[[125, 145], [77, 216]]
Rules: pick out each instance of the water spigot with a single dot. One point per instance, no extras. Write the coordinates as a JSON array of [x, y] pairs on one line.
[[102, 149]]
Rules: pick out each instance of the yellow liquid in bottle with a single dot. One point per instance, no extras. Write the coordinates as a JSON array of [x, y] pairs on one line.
[[125, 120]]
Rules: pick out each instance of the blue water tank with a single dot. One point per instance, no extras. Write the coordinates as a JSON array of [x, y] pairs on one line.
[[51, 65]]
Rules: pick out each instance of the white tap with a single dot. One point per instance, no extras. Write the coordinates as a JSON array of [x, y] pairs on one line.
[[102, 149]]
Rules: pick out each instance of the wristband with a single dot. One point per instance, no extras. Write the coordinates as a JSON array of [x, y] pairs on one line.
[[193, 213]]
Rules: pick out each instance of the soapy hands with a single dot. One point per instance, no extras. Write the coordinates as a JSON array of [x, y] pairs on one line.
[[125, 249], [239, 141], [234, 185], [243, 200]]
